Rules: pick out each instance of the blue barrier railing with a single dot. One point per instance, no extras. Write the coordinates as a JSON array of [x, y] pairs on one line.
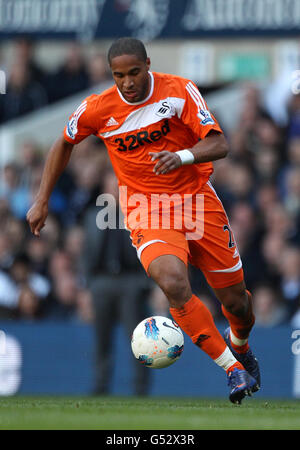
[[59, 358]]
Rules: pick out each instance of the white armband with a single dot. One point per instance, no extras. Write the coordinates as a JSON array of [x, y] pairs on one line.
[[186, 156]]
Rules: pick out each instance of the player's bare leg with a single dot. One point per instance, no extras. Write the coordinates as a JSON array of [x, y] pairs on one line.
[[235, 300], [171, 274], [237, 308], [193, 317]]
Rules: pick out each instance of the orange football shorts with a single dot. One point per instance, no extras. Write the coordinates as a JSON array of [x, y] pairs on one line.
[[212, 250]]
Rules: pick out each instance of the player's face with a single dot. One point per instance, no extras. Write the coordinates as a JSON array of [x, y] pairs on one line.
[[131, 77]]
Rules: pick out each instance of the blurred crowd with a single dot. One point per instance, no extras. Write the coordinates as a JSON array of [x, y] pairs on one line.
[[258, 183], [30, 86]]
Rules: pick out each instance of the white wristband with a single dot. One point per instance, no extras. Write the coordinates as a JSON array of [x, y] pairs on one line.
[[186, 156]]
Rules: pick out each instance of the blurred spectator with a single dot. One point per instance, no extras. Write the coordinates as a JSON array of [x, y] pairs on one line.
[[69, 300], [221, 179], [6, 256], [272, 247], [65, 291], [52, 233], [12, 236], [98, 71], [8, 296], [74, 246], [89, 150], [17, 196], [38, 251], [266, 196], [29, 86], [60, 262], [279, 221], [119, 290], [292, 198], [87, 186], [28, 304], [4, 208], [30, 158], [24, 50], [266, 162], [269, 309], [71, 77], [268, 134], [289, 268], [293, 127], [15, 231], [22, 291], [248, 234], [243, 139], [73, 242], [22, 274], [23, 95], [293, 151], [240, 182], [87, 166]]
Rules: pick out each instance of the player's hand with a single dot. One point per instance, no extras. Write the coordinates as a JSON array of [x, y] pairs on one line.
[[36, 216], [166, 161]]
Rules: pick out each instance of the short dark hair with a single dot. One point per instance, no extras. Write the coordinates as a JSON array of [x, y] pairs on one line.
[[127, 46]]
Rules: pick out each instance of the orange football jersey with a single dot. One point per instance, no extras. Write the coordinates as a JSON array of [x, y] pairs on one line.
[[173, 117]]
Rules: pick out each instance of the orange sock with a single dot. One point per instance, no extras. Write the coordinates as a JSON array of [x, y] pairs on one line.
[[196, 321], [237, 365], [240, 327]]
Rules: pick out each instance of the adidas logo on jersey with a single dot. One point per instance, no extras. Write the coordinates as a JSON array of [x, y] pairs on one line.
[[111, 122]]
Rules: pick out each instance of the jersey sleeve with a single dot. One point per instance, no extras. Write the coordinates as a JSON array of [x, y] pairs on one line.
[[195, 113], [83, 122]]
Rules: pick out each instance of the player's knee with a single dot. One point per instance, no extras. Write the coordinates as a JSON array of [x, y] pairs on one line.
[[176, 288], [236, 302]]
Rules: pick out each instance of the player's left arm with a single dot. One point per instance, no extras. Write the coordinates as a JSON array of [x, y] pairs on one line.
[[213, 147], [195, 115]]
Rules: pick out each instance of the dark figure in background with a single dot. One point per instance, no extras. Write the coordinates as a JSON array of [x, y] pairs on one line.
[[71, 77], [119, 290], [23, 95], [24, 52]]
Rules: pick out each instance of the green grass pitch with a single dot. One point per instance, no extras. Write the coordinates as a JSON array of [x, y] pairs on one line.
[[153, 413]]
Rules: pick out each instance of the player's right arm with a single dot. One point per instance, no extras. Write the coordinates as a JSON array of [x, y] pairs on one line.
[[82, 123], [57, 159]]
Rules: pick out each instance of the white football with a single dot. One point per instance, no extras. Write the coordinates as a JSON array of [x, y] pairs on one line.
[[157, 342]]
